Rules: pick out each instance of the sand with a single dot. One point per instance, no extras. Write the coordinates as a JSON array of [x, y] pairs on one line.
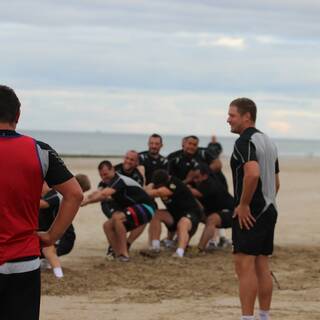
[[203, 287]]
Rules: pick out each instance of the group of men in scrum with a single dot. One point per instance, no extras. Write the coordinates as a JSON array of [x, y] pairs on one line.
[[190, 184]]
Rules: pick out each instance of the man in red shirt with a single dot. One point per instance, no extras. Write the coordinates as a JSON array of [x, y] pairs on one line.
[[25, 163]]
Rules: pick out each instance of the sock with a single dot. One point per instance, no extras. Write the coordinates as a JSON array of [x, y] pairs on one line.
[[155, 244], [222, 233], [247, 318], [264, 315], [180, 252], [58, 272]]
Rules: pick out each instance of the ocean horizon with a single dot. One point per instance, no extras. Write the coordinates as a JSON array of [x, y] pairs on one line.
[[72, 143]]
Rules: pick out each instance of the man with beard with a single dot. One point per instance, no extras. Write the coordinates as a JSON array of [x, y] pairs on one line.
[[152, 160]]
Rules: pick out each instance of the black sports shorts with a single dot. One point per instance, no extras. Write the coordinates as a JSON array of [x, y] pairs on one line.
[[258, 240], [193, 215], [138, 215], [225, 216], [66, 243]]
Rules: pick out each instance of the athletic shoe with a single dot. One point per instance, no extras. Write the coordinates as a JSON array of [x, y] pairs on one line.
[[212, 246], [224, 243], [110, 255], [123, 258], [200, 251], [169, 244], [175, 255], [150, 253]]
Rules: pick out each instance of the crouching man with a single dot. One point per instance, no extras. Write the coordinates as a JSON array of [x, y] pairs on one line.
[[183, 212], [131, 208]]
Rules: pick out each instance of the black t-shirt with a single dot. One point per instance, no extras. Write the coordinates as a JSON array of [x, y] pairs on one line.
[[215, 149], [152, 164], [47, 215], [134, 174], [180, 163], [182, 201], [214, 196], [128, 192], [221, 177], [253, 145], [54, 169]]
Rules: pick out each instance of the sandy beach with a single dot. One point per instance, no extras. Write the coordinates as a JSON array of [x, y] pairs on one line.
[[203, 287]]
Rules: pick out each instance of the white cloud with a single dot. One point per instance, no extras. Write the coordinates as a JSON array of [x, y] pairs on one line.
[[139, 111], [281, 127], [228, 42]]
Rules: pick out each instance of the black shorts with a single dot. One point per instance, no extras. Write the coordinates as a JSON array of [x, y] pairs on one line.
[[66, 243], [226, 218], [193, 215], [20, 296], [108, 207], [137, 215], [259, 239]]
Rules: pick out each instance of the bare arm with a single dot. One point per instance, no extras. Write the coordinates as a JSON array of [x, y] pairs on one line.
[[72, 197], [189, 177], [161, 192], [98, 195], [250, 182], [195, 192]]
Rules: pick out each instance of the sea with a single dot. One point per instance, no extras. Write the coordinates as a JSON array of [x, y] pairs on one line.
[[103, 144]]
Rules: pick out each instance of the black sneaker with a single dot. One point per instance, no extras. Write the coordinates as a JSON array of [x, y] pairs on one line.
[[123, 258], [110, 253], [150, 253], [224, 243]]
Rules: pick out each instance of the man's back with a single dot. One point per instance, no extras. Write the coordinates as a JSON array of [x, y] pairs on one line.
[[19, 198]]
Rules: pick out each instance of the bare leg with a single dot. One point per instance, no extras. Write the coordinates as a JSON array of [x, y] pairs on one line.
[[212, 222], [51, 255], [264, 282], [134, 234], [246, 271], [121, 233], [184, 226], [111, 235], [155, 223]]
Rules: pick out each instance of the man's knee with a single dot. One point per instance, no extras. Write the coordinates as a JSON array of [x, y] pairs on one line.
[[107, 225], [214, 220], [244, 264], [184, 225], [262, 266], [117, 217]]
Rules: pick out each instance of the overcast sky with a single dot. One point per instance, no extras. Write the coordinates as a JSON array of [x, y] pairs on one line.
[[163, 66]]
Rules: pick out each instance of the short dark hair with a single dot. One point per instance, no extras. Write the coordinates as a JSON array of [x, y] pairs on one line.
[[191, 137], [155, 135], [9, 105], [160, 178], [105, 163], [245, 105], [204, 168], [84, 181]]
